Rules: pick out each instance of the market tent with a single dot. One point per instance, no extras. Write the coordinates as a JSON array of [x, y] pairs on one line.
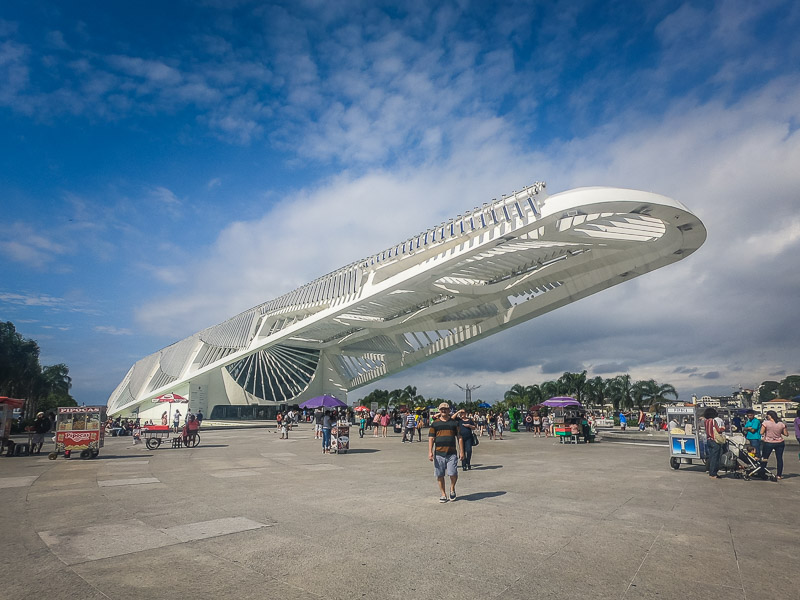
[[323, 401]]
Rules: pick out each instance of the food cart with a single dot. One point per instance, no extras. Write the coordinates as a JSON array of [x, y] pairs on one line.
[[687, 433], [81, 429], [7, 406]]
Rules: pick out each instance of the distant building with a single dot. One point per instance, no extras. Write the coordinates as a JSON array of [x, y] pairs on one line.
[[784, 408]]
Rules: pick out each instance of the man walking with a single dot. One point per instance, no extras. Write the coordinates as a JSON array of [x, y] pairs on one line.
[[445, 448]]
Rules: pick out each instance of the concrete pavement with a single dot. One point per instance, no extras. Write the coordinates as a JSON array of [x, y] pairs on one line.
[[247, 515]]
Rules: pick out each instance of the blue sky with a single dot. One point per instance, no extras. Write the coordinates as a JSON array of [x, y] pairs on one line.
[[165, 166]]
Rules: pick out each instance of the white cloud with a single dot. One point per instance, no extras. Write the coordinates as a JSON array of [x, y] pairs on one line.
[[23, 244], [112, 330], [732, 165]]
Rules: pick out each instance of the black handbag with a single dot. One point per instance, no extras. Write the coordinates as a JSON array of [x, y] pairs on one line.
[[475, 441]]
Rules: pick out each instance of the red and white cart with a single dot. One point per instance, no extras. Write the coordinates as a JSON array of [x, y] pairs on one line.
[[79, 429]]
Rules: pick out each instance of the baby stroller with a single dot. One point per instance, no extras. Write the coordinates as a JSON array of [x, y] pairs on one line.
[[748, 465]]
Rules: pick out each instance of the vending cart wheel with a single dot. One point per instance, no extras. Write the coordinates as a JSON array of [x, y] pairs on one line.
[[153, 443], [52, 455], [675, 463], [95, 453], [86, 454]]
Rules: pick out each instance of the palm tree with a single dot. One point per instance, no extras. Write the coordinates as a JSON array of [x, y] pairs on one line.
[[573, 384], [550, 389], [534, 394], [619, 391], [516, 396], [595, 391]]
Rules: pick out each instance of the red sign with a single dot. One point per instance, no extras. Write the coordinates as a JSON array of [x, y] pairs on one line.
[[75, 440]]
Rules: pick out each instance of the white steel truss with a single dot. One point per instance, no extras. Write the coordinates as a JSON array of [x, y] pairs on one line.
[[488, 269]]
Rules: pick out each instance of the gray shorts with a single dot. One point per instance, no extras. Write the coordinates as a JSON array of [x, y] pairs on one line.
[[445, 465], [37, 438]]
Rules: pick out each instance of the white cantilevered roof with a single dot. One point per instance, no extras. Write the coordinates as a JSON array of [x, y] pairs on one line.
[[492, 267]]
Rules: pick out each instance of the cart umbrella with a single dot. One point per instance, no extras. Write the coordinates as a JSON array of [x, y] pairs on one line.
[[323, 402], [561, 402], [170, 398]]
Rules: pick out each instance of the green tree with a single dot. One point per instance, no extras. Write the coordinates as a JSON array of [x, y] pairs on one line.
[[595, 391], [573, 384], [619, 392], [768, 390], [789, 387]]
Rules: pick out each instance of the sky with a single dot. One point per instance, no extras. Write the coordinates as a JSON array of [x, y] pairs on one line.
[[167, 165]]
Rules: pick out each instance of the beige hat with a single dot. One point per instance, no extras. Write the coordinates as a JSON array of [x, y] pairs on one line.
[[443, 405], [40, 414]]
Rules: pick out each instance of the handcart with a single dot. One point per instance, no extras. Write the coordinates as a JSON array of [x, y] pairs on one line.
[[79, 429], [155, 435], [687, 434]]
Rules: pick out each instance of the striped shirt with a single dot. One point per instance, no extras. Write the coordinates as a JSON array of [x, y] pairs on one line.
[[446, 436]]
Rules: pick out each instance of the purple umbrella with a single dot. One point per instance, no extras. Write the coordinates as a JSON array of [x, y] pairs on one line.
[[561, 402], [323, 401]]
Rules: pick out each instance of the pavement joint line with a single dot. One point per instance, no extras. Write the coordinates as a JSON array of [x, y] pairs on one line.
[[133, 481], [644, 560]]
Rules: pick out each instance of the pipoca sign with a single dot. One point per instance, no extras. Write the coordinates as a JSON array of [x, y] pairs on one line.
[[77, 439]]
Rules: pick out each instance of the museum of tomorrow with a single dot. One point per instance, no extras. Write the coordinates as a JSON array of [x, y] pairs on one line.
[[483, 271]]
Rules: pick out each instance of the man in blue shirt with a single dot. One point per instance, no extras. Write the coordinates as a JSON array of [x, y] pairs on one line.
[[752, 431]]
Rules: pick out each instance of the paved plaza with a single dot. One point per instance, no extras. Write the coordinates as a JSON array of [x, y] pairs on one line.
[[247, 515]]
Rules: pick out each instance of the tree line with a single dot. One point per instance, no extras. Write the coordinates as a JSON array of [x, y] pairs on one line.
[[43, 388], [621, 391]]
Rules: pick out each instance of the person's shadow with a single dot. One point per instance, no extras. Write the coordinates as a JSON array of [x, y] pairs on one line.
[[486, 467], [480, 496]]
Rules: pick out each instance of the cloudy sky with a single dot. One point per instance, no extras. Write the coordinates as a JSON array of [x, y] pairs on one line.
[[168, 165]]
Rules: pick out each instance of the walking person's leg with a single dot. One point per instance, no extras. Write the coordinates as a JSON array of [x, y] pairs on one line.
[[779, 448]]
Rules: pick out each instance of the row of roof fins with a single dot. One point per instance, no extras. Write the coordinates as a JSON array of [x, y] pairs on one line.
[[453, 228]]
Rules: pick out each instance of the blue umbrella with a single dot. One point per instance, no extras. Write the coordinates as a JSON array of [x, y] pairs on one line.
[[484, 405], [323, 401]]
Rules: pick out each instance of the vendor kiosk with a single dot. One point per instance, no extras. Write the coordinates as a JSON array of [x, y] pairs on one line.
[[687, 433], [569, 425], [7, 406], [80, 428]]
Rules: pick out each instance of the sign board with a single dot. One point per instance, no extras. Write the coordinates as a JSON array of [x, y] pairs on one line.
[[198, 398]]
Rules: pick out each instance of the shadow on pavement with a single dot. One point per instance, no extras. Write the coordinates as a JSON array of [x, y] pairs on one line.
[[362, 450], [480, 496], [486, 467], [102, 456]]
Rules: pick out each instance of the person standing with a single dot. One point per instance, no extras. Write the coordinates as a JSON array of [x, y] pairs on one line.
[[318, 414], [386, 418], [713, 425], [199, 417], [410, 426], [327, 425], [176, 421], [623, 421], [164, 419], [40, 427], [467, 429], [445, 447], [773, 430], [752, 431], [797, 429]]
